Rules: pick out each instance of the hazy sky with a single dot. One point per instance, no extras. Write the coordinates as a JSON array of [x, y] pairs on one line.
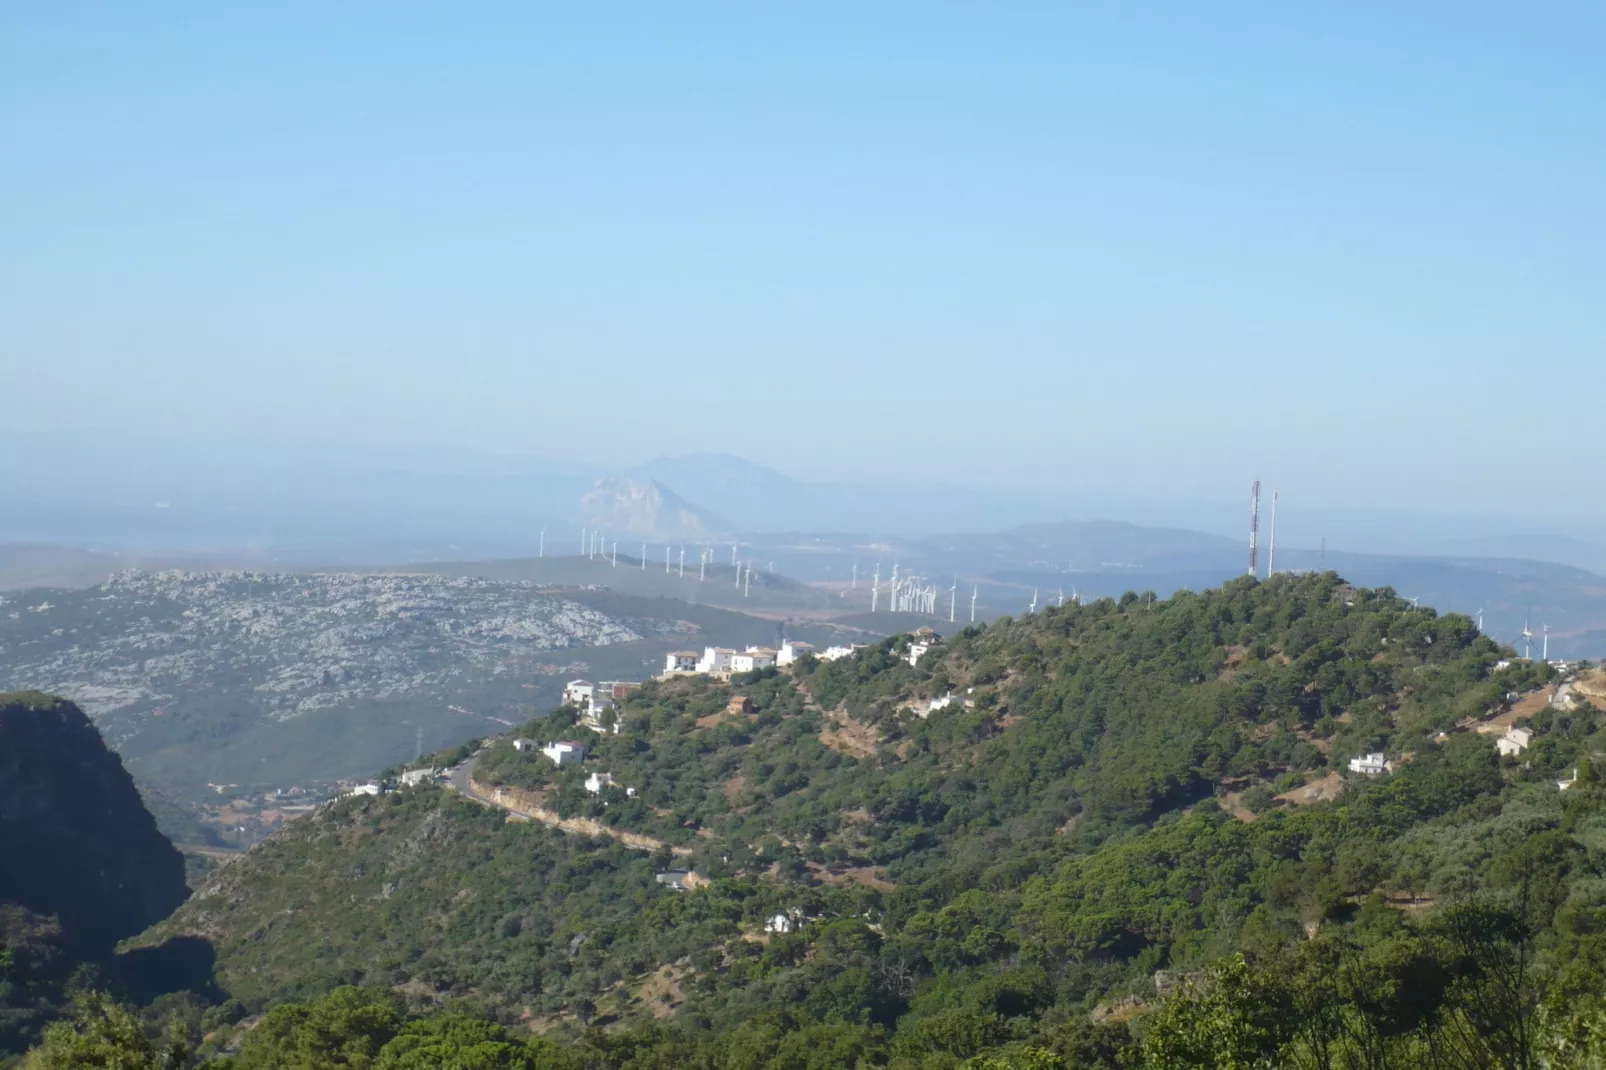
[[1171, 244]]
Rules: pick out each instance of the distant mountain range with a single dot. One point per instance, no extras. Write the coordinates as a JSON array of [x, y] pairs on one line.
[[342, 504]]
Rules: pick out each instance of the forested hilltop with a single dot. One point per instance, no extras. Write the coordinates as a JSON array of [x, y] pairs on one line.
[[1113, 834]]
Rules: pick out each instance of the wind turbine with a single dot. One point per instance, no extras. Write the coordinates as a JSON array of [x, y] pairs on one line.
[[973, 603], [1480, 620], [1527, 640], [582, 542], [1033, 607], [875, 588], [616, 553], [1061, 602], [682, 562], [542, 551], [953, 598], [1544, 654], [644, 557]]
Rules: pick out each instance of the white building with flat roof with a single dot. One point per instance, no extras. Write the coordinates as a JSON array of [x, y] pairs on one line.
[[1369, 765], [565, 752], [578, 693]]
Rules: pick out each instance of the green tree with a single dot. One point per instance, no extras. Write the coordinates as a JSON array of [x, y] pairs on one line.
[[1023, 1059], [104, 1035], [1231, 1018], [345, 1029], [453, 1042]]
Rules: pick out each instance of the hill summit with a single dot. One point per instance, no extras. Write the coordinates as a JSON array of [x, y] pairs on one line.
[[645, 508]]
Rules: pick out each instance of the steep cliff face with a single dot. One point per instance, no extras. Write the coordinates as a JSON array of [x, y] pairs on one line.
[[76, 840]]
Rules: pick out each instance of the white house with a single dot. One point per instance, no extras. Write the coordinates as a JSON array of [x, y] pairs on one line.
[[680, 661], [578, 693], [564, 752], [364, 789], [753, 658], [921, 642], [1514, 742], [1569, 782], [677, 879], [940, 703], [597, 781], [414, 777], [715, 659], [835, 653], [1370, 765], [522, 745], [791, 651], [788, 922]]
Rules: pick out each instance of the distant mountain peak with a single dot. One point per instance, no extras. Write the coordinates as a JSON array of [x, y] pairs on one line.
[[645, 507]]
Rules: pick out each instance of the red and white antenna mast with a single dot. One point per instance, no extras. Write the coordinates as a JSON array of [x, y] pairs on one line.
[[1254, 526]]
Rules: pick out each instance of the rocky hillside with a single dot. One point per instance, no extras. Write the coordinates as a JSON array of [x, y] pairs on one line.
[[278, 679]]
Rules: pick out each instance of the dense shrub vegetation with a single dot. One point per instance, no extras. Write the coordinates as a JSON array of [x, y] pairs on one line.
[[1108, 849]]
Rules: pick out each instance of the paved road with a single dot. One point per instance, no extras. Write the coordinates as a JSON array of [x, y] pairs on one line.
[[460, 778]]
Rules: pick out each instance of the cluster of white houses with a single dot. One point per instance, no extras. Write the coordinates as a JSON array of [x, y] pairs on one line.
[[1513, 743], [728, 661], [564, 752]]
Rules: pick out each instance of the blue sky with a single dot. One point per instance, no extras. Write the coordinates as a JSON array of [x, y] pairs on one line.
[[1357, 249]]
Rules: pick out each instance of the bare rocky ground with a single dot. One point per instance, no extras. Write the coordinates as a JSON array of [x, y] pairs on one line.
[[279, 646]]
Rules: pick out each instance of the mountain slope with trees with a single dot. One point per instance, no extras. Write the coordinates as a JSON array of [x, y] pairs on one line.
[[1110, 825]]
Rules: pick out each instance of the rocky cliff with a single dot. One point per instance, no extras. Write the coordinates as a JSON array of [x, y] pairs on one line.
[[76, 841]]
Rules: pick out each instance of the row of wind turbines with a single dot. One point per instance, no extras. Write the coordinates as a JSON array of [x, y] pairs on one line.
[[912, 594], [595, 544]]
